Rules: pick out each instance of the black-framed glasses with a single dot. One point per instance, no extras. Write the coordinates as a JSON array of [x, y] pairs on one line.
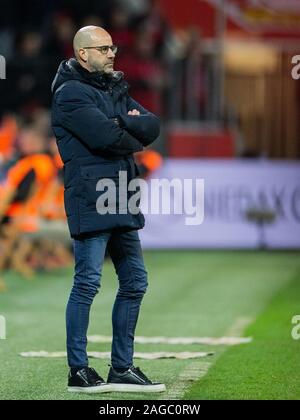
[[104, 49]]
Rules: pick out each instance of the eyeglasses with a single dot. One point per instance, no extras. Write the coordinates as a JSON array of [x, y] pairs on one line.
[[104, 49]]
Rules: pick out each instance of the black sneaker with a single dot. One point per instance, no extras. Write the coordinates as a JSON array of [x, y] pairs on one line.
[[88, 381], [132, 380]]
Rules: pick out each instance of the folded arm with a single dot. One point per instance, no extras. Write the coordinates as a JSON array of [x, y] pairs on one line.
[[80, 115], [145, 127]]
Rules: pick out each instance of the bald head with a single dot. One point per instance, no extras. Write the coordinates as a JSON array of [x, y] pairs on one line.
[[91, 58], [89, 36]]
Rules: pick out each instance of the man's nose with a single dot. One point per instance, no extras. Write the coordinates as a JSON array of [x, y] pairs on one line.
[[110, 54]]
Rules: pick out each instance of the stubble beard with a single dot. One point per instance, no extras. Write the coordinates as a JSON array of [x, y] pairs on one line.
[[103, 68]]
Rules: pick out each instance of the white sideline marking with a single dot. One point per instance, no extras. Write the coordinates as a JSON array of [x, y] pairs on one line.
[[194, 371], [230, 340], [191, 373], [197, 370], [239, 326], [138, 355]]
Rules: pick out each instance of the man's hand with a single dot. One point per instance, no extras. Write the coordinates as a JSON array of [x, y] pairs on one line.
[[134, 112]]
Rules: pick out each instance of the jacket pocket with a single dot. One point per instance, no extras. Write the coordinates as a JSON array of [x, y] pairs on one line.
[[99, 171], [137, 171], [97, 180]]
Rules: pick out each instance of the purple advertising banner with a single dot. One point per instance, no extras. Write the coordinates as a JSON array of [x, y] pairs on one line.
[[233, 190]]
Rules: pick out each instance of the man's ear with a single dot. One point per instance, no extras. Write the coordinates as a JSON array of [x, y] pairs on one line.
[[82, 54]]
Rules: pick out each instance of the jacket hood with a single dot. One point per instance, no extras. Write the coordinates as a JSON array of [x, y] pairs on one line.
[[72, 70]]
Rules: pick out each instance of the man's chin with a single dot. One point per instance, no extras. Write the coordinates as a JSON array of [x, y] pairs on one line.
[[109, 69]]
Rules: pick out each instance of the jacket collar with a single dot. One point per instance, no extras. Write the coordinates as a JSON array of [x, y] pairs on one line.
[[114, 83], [103, 81]]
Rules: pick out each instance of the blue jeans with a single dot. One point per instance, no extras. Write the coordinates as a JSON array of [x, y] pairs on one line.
[[125, 251]]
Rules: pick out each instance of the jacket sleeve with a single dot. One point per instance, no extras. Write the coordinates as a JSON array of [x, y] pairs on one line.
[[79, 114], [144, 127]]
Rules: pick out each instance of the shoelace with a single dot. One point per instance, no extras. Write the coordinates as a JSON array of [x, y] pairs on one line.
[[138, 371], [93, 375]]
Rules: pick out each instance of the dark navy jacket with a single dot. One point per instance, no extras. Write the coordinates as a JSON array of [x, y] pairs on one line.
[[96, 139]]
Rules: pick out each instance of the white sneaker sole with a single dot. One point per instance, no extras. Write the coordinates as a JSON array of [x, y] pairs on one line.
[[137, 388], [90, 390]]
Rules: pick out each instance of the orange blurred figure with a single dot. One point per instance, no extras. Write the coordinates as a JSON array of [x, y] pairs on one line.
[[26, 184], [8, 134]]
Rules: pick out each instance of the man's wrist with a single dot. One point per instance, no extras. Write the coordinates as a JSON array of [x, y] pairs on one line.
[[119, 122]]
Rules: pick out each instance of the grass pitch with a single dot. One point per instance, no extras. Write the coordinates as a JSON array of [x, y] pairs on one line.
[[191, 293]]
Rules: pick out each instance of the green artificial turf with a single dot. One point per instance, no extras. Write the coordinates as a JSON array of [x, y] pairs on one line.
[[269, 367], [191, 293]]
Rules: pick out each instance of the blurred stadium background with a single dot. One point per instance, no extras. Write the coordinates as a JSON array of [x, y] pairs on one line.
[[219, 74]]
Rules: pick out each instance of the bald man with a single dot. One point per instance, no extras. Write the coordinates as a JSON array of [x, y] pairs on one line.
[[98, 127]]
